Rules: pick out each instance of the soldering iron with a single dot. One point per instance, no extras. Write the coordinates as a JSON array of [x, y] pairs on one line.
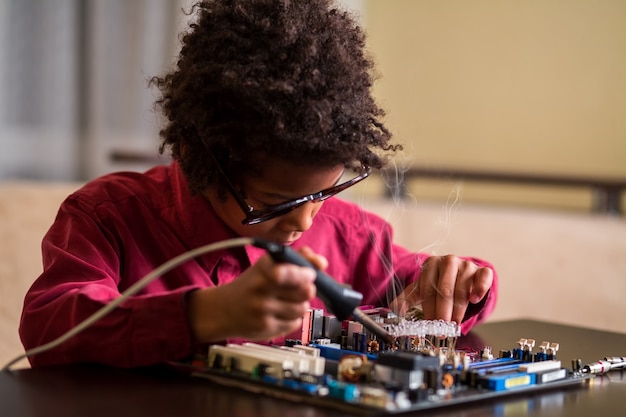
[[340, 300]]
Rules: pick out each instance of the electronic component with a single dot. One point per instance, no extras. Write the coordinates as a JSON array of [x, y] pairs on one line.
[[508, 381], [603, 366], [406, 370], [534, 367], [416, 373]]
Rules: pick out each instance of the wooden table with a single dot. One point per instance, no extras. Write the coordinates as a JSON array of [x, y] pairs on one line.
[[94, 391]]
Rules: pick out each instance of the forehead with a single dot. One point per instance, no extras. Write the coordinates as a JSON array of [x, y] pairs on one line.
[[284, 176]]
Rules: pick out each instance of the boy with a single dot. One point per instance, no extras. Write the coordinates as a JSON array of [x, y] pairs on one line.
[[268, 110]]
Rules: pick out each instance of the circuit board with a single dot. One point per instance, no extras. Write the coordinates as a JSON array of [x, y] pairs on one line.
[[363, 406], [349, 370]]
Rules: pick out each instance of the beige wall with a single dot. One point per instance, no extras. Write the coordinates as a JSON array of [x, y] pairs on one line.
[[526, 86]]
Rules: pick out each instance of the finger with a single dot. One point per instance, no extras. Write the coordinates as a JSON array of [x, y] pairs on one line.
[[293, 283], [284, 327], [285, 317], [274, 327], [279, 280], [483, 280], [445, 286], [288, 311], [319, 261], [264, 308], [405, 300], [428, 286], [269, 317], [398, 305], [288, 275], [473, 283], [462, 290]]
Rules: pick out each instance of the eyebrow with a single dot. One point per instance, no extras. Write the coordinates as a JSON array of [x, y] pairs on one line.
[[286, 197]]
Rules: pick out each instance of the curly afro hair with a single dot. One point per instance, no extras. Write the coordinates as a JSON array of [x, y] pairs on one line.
[[283, 78]]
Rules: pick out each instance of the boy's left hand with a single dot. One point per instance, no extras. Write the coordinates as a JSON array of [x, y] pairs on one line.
[[445, 288]]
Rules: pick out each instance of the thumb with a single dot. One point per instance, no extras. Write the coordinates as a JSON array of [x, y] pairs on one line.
[[319, 261], [408, 298]]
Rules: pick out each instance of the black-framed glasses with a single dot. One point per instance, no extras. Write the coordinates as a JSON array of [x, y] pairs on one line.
[[255, 216]]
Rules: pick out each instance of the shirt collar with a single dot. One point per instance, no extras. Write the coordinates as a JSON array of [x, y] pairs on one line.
[[199, 221]]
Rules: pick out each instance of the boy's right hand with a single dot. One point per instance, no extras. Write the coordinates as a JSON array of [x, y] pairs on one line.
[[268, 300]]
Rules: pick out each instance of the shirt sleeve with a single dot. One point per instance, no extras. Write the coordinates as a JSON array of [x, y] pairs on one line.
[[82, 263]]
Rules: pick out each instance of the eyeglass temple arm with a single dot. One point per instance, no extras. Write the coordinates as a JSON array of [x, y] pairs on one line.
[[229, 184]]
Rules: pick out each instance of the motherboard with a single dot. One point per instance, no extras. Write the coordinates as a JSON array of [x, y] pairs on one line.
[[340, 364]]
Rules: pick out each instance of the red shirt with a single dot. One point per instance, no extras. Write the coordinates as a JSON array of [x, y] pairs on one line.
[[118, 228]]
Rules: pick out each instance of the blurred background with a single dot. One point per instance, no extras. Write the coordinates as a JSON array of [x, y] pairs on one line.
[[512, 115], [73, 77], [472, 88], [507, 87]]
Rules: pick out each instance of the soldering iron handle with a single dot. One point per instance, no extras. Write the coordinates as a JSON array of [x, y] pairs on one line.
[[340, 300]]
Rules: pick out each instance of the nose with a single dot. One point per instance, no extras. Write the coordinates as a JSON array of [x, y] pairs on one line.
[[300, 219]]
